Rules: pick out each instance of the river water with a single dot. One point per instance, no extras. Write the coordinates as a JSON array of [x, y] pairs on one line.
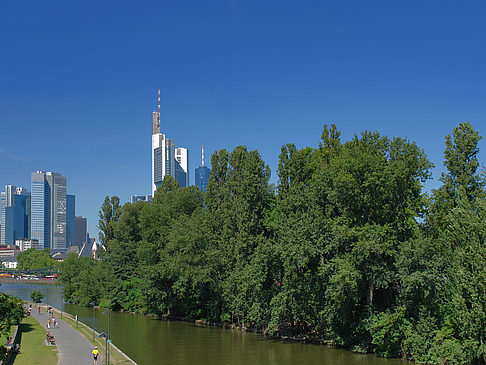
[[152, 341]]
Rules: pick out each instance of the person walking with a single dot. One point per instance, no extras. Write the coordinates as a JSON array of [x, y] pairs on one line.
[[95, 355], [48, 323]]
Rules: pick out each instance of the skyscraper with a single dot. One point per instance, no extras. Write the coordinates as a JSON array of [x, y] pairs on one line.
[[70, 220], [49, 209], [162, 152], [182, 166], [202, 174], [15, 210], [81, 224]]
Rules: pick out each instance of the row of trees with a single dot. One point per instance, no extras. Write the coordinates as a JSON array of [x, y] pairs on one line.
[[346, 248]]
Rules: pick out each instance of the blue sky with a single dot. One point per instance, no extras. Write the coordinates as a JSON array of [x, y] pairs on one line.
[[78, 81]]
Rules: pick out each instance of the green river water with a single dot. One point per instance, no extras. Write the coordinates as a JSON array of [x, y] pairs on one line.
[[152, 341]]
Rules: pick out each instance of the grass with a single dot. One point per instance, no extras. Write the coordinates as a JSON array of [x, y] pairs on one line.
[[33, 350]]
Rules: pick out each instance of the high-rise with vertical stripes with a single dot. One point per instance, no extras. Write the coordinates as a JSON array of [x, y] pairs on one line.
[[49, 210]]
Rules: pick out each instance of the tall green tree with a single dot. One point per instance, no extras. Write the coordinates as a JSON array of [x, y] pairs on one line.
[[108, 216], [461, 162]]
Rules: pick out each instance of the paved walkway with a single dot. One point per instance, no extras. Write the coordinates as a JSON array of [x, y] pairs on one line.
[[73, 347]]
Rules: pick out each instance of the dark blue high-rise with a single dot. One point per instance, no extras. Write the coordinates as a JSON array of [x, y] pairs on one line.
[[202, 174]]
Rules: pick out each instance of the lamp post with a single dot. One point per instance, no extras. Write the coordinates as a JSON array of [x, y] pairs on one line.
[[107, 336], [93, 303], [102, 334], [108, 339], [77, 302]]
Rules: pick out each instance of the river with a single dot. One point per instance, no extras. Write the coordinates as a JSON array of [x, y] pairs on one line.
[[152, 341]]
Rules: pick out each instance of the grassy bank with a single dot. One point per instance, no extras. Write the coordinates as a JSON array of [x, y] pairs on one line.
[[33, 350]]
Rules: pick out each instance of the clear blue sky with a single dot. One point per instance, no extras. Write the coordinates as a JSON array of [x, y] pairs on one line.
[[78, 81]]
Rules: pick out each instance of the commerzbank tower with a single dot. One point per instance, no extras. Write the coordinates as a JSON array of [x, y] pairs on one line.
[[166, 159]]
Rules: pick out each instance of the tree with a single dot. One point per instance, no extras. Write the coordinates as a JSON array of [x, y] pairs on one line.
[[33, 259], [108, 214], [461, 161], [11, 313], [36, 296]]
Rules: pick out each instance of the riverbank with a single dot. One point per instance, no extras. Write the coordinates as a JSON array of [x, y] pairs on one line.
[[28, 281], [116, 356]]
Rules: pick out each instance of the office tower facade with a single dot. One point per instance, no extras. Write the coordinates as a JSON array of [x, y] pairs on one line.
[[202, 174], [162, 159], [81, 232], [182, 166], [15, 210], [70, 220], [49, 209]]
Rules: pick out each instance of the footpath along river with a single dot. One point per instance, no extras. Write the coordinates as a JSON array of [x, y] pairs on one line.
[[152, 341]]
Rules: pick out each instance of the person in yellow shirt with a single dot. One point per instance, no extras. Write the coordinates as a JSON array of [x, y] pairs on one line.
[[95, 355]]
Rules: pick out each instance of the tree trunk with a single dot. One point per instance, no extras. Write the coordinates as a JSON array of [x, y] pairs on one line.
[[371, 291]]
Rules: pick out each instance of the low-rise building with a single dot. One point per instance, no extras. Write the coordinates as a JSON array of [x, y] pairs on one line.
[[9, 262], [24, 244]]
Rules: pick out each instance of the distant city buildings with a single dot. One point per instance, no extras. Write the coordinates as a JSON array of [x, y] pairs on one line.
[[42, 218], [202, 174], [164, 160]]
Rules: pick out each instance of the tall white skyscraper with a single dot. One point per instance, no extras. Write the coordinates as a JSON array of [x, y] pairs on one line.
[[182, 166], [162, 152], [164, 159]]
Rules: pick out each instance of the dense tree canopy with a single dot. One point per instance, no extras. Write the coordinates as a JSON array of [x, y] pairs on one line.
[[347, 248], [33, 259]]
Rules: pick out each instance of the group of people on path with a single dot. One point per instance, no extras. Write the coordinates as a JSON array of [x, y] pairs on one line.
[[51, 321]]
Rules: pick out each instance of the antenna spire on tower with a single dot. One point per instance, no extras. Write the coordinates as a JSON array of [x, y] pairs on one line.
[[202, 152], [158, 110]]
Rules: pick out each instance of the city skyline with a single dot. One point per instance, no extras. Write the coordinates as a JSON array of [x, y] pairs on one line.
[[230, 73]]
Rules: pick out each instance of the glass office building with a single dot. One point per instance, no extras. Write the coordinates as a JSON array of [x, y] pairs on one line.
[[49, 210], [15, 210]]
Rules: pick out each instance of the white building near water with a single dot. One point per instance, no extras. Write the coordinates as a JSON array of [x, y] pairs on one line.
[[8, 262]]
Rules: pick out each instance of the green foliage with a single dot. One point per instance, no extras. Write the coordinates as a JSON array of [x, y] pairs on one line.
[[36, 296], [33, 259], [347, 248], [11, 313], [109, 214]]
